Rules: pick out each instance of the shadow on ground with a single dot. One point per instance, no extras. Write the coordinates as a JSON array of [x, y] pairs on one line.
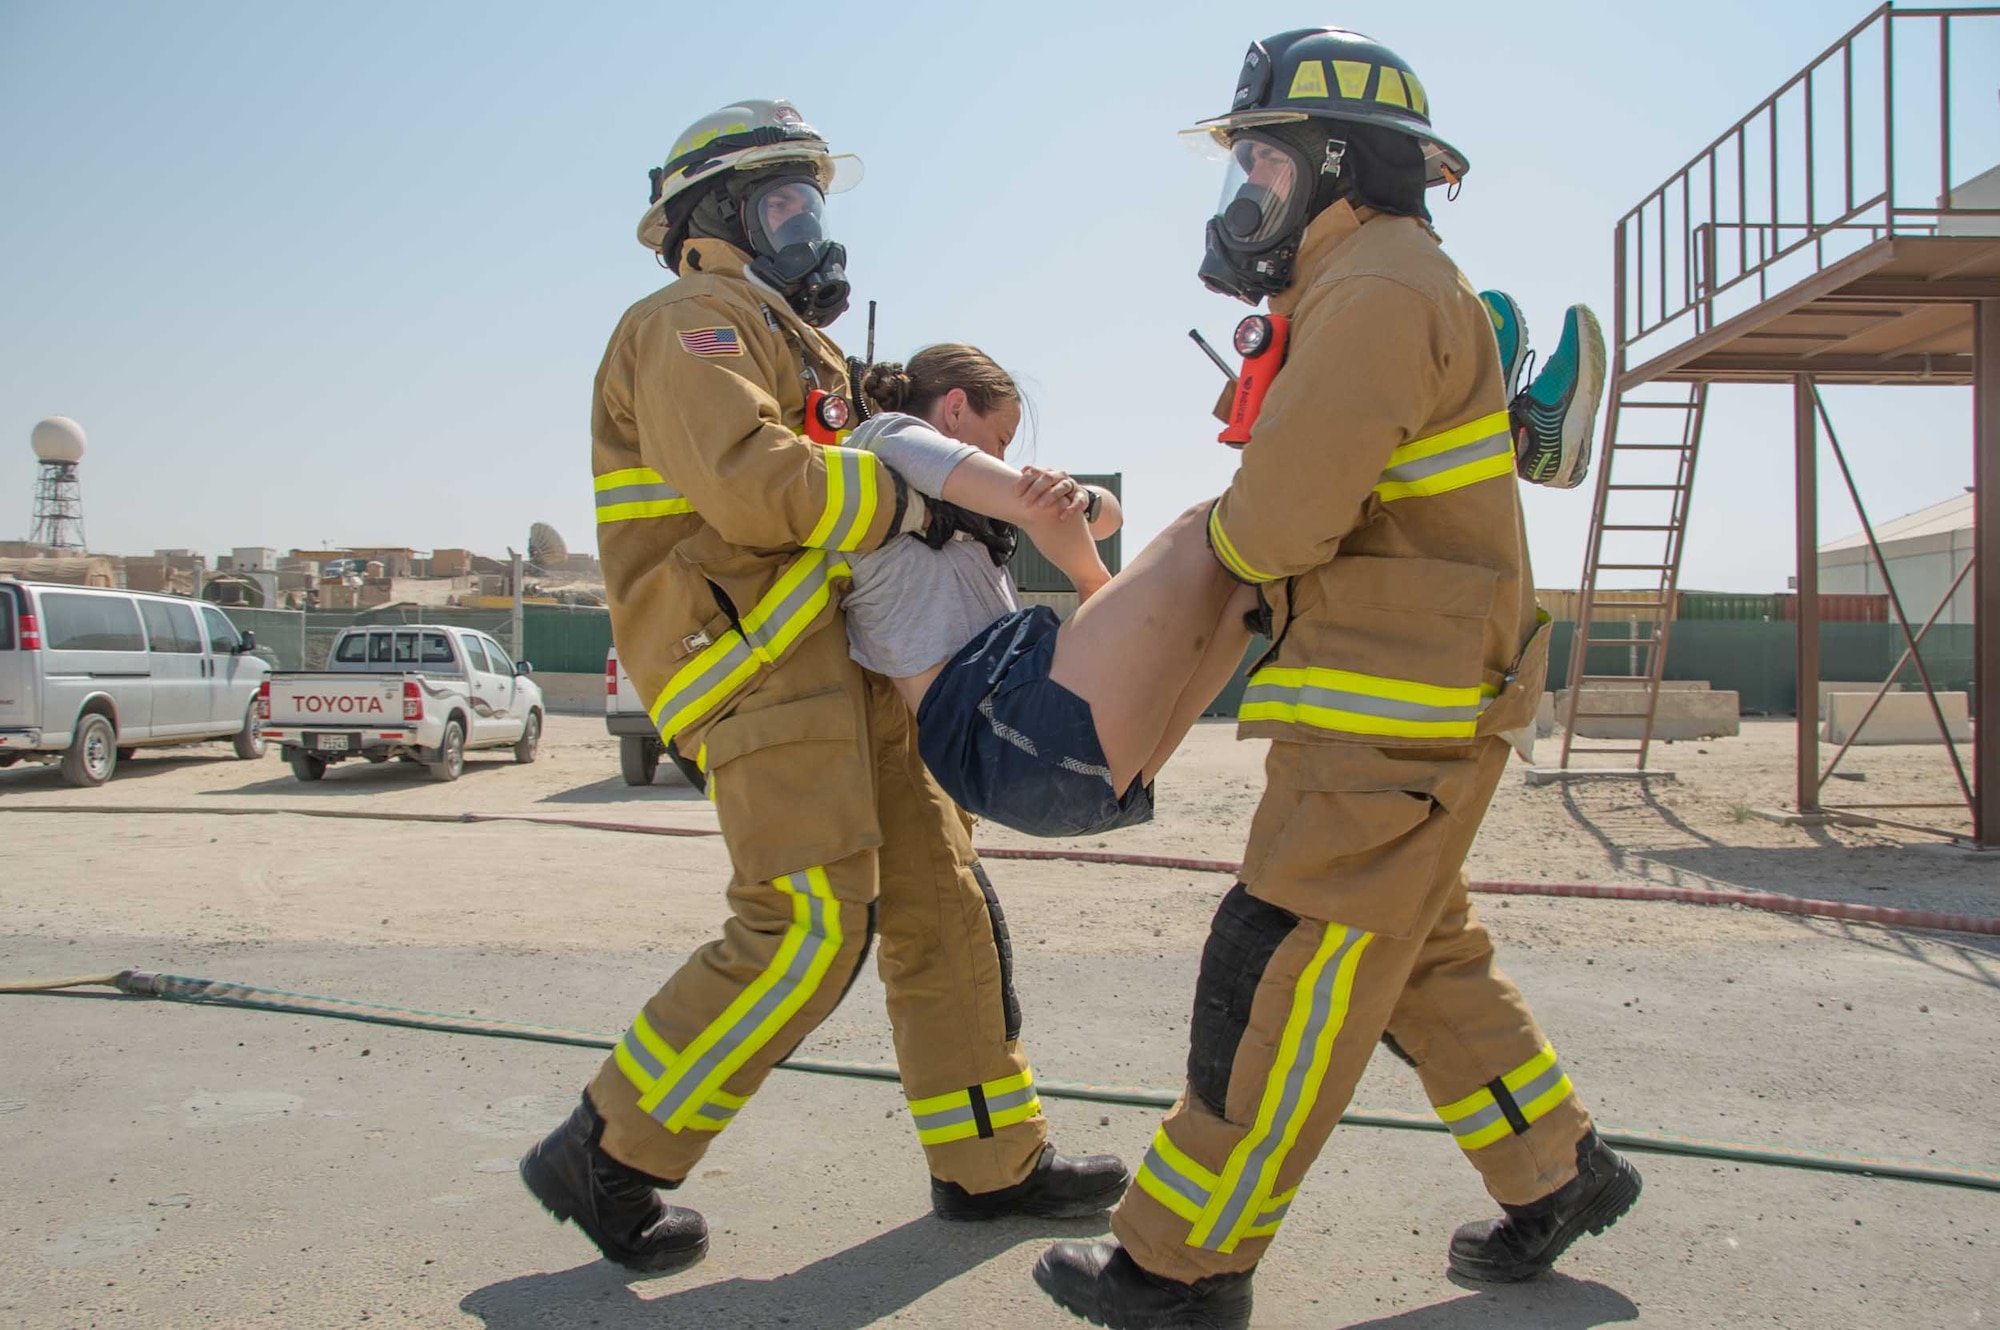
[[1553, 1302], [36, 776], [355, 778], [845, 1291], [667, 787]]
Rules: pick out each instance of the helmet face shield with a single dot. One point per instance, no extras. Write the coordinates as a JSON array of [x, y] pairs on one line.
[[1265, 193]]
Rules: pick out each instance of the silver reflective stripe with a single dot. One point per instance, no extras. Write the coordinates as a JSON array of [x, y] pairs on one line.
[[635, 494], [1363, 704], [1273, 1213], [850, 465], [1175, 1180], [672, 704], [1288, 1100], [1012, 1099], [688, 1076], [639, 1053], [1479, 1121], [944, 1117], [1425, 467], [1538, 1087]]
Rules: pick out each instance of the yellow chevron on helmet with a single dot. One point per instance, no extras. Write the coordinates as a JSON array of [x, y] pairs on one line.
[[752, 133]]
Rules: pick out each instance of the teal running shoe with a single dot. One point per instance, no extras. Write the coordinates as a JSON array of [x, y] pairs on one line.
[[1510, 329], [1555, 418]]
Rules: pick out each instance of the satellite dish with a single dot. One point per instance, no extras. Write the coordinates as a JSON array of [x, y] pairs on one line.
[[545, 546], [58, 439]]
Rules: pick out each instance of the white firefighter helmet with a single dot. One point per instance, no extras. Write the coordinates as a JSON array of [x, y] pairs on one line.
[[750, 134]]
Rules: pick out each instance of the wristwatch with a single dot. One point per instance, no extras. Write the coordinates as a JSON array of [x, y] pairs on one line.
[[1095, 506]]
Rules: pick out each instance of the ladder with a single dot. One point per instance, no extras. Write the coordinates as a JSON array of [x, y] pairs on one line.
[[1637, 527]]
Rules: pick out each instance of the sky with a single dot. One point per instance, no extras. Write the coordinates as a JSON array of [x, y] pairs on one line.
[[317, 275]]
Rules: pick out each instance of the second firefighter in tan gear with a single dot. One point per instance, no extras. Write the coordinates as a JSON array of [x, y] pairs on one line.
[[722, 533], [1376, 509], [724, 536]]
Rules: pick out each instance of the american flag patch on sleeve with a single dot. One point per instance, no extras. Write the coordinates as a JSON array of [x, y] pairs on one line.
[[712, 342]]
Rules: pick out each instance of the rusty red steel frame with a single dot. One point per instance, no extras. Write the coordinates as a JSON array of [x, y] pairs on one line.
[[1820, 239]]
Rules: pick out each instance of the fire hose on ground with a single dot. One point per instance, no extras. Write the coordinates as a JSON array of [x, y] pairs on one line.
[[178, 988], [220, 992]]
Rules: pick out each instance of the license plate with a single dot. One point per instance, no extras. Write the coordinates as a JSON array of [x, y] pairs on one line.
[[331, 743]]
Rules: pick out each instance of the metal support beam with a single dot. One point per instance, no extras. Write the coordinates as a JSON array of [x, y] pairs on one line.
[[1986, 573], [1805, 441]]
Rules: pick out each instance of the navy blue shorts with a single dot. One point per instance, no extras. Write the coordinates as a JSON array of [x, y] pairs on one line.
[[1010, 744]]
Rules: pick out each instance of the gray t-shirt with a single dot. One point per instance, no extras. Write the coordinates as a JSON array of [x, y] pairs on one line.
[[911, 607]]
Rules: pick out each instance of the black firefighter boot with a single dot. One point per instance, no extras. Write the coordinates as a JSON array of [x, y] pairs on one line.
[[1530, 1238], [1103, 1285], [1060, 1187], [617, 1207]]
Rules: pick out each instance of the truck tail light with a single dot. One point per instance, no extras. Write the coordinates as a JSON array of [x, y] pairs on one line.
[[30, 632], [264, 700], [413, 700], [611, 676]]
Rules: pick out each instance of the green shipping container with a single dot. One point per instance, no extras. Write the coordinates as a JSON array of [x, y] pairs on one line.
[[1754, 607]]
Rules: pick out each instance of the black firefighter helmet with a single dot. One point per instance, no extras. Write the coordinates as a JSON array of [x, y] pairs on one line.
[[1316, 112]]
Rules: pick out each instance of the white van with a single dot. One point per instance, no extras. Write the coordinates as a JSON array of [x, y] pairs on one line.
[[88, 674]]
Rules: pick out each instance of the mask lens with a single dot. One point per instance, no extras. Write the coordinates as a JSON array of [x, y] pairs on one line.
[[1259, 193], [792, 213]]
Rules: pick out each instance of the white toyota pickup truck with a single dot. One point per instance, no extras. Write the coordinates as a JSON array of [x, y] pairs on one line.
[[420, 692], [639, 745]]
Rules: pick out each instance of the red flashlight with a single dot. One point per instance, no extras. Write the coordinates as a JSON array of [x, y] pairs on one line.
[[1260, 339]]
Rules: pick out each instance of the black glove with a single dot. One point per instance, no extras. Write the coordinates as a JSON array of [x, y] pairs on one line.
[[947, 519]]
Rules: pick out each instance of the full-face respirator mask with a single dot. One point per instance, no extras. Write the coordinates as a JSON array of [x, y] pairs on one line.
[[783, 217]]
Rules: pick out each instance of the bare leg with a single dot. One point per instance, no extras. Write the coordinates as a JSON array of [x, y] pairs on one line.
[[1131, 649], [1217, 664]]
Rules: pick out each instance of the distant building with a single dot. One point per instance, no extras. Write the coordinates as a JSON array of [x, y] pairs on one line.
[[1924, 551]]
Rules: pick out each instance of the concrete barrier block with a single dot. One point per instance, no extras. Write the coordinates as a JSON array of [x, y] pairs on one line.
[[1682, 713], [1902, 718], [1545, 716], [1827, 688]]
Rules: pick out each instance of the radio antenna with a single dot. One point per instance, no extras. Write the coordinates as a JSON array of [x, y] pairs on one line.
[[1209, 351], [871, 332]]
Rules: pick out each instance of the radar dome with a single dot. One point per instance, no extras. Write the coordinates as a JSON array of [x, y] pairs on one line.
[[58, 439], [545, 547]]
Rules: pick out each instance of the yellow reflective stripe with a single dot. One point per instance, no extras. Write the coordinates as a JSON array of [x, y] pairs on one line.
[[1352, 76], [1464, 455], [642, 1080], [779, 619], [635, 492], [1538, 1107], [1181, 1161], [761, 1009], [631, 475], [650, 1037], [851, 499], [797, 599], [1480, 1119], [1320, 1002], [1020, 1080], [937, 1103], [1466, 1107], [1355, 703], [722, 667], [957, 1131], [1218, 540], [1167, 1196], [1533, 1067], [1007, 1117]]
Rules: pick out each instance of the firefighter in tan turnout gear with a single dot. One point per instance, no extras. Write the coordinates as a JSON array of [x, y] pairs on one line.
[[725, 536], [1376, 509]]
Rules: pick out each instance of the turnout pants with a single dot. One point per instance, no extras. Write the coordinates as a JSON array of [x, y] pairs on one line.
[[835, 831], [1352, 925]]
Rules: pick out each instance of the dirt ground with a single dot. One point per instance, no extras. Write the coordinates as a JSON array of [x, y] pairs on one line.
[[1710, 1022]]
